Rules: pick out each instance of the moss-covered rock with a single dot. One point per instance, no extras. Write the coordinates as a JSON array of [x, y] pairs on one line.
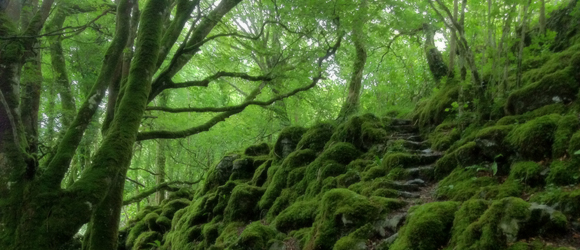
[[362, 131], [145, 239], [300, 214], [567, 126], [444, 136], [498, 226], [527, 172], [533, 139], [341, 211], [509, 188], [219, 175], [563, 173], [242, 205], [567, 201], [287, 141], [469, 212], [258, 149], [554, 87], [356, 240], [317, 136], [432, 110], [464, 156], [255, 236], [244, 168], [428, 227], [279, 181], [462, 184]]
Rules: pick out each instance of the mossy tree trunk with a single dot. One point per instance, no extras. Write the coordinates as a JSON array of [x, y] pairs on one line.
[[522, 42], [352, 103], [434, 58], [160, 161]]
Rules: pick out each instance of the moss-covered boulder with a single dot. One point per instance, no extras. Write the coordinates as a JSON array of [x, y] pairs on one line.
[[317, 136], [533, 139], [462, 184], [498, 226], [554, 87], [255, 236], [567, 201], [362, 131], [428, 227], [287, 141], [563, 172], [527, 172], [432, 110], [257, 150], [300, 214], [567, 126], [341, 211], [220, 174], [242, 205], [444, 136]]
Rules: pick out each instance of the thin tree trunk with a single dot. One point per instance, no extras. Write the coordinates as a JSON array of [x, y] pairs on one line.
[[352, 102], [161, 159], [542, 21], [453, 42], [522, 44]]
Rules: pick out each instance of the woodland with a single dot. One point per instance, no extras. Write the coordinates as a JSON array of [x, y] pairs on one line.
[[289, 124]]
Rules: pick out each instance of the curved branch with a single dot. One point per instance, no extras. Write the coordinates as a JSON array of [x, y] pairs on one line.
[[205, 82], [236, 107], [161, 187], [227, 112]]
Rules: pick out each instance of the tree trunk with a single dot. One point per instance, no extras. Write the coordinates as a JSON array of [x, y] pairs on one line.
[[434, 58], [522, 44], [161, 149], [542, 21], [352, 102], [453, 42]]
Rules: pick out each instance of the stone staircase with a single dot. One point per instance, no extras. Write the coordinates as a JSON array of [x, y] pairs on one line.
[[419, 185]]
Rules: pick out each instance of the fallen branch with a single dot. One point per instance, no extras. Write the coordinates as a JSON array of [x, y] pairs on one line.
[[165, 186]]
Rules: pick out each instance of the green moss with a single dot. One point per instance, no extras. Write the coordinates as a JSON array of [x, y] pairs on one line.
[[362, 131], [462, 184], [317, 136], [299, 215], [261, 174], [574, 145], [567, 201], [533, 140], [375, 172], [144, 239], [558, 86], [295, 176], [527, 172], [171, 207], [388, 204], [428, 227], [150, 221], [404, 160], [398, 174], [287, 141], [164, 223], [432, 110], [469, 212], [341, 152], [139, 228], [341, 211], [497, 227], [348, 178], [563, 173], [210, 233], [242, 205], [258, 149], [229, 235], [287, 197], [331, 169], [566, 128], [444, 136], [382, 192], [510, 188], [445, 165], [360, 165], [245, 167], [255, 236], [356, 240], [279, 181]]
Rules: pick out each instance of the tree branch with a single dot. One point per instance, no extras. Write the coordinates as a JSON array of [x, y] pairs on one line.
[[161, 187], [205, 82]]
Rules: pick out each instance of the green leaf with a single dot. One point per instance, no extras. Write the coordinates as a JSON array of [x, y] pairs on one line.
[[494, 168], [577, 152]]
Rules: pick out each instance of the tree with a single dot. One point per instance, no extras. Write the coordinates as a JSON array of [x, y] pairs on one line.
[[36, 212]]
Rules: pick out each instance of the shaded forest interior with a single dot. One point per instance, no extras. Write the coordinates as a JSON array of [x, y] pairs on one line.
[[286, 125]]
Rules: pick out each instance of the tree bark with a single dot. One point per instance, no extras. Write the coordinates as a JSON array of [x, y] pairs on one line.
[[434, 58], [352, 103], [522, 44]]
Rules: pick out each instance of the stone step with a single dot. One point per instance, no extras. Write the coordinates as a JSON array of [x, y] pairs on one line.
[[413, 145], [406, 136], [422, 173], [404, 186], [396, 121], [403, 128]]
